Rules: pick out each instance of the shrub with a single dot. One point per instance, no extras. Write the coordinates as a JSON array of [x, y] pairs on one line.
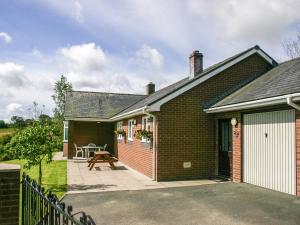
[[4, 151], [3, 124]]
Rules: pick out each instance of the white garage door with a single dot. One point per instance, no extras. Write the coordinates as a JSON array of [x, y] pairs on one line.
[[269, 150]]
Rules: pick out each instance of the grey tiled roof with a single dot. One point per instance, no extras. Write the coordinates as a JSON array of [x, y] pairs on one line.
[[107, 105], [97, 105], [173, 87], [281, 80], [155, 96]]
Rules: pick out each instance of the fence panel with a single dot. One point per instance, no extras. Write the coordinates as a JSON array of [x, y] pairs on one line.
[[41, 208]]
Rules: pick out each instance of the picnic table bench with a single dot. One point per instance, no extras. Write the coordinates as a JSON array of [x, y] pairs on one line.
[[102, 157]]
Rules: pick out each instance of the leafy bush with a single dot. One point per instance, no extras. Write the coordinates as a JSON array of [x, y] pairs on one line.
[[18, 121], [4, 152], [3, 124]]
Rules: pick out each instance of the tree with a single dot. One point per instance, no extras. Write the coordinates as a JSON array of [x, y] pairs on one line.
[[61, 87], [18, 121], [37, 142], [292, 46], [3, 124], [44, 117]]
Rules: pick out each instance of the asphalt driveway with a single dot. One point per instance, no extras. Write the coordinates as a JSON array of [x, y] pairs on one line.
[[225, 203]]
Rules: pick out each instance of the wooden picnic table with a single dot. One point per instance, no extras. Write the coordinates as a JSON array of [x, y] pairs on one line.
[[102, 157]]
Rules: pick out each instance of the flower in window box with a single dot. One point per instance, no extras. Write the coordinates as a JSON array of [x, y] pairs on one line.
[[140, 134], [120, 132]]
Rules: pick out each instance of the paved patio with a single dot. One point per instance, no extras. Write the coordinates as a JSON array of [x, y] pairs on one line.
[[102, 178]]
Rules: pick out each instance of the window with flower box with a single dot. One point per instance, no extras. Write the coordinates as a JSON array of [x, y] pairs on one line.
[[130, 130], [146, 126], [120, 128]]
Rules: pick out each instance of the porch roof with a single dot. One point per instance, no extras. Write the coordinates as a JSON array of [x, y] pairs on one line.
[[98, 105]]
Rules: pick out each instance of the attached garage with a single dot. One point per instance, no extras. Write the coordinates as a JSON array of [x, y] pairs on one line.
[[269, 150], [265, 119]]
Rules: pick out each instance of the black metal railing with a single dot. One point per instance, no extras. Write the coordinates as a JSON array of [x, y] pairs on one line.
[[41, 208]]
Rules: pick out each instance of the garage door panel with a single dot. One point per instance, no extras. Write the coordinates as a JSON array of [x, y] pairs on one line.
[[269, 150]]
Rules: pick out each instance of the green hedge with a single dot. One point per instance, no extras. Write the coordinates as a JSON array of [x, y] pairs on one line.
[[4, 153]]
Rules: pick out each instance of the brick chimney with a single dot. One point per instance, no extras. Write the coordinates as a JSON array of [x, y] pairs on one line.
[[196, 64], [150, 88]]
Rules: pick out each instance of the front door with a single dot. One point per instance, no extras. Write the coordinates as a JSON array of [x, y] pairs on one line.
[[225, 147]]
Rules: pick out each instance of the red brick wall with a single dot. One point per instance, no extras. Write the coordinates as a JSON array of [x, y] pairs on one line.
[[135, 154], [83, 133], [187, 134], [298, 151], [237, 152]]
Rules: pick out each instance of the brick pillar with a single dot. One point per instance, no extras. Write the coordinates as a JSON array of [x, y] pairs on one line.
[[71, 150], [237, 152], [65, 149], [9, 194]]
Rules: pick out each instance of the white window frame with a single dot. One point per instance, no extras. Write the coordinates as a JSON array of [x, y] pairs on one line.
[[130, 129], [120, 127], [145, 126], [66, 131]]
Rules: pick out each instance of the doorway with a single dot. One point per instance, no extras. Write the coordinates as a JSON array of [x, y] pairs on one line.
[[225, 147]]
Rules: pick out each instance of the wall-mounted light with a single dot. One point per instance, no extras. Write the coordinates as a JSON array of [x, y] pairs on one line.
[[233, 121]]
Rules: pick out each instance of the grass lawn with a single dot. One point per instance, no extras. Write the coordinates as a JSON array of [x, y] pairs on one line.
[[5, 131], [54, 175]]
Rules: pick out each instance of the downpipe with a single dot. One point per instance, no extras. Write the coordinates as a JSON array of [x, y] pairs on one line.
[[290, 102]]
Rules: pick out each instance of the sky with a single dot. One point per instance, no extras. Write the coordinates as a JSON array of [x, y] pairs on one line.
[[120, 46]]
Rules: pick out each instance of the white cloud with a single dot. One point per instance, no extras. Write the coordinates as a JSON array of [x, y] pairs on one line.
[[71, 8], [236, 19], [12, 109], [12, 75], [218, 28], [84, 57], [88, 67], [6, 38], [147, 55], [36, 52], [19, 87], [77, 13]]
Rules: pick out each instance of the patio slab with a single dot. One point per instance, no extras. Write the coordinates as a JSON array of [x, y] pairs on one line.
[[102, 178]]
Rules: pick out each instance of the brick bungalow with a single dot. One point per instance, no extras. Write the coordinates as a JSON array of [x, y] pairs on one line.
[[238, 119]]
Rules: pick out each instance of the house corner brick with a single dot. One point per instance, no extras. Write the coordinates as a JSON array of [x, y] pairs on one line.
[[237, 153]]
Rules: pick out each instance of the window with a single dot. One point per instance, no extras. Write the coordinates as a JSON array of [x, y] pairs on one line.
[[130, 130], [145, 126], [66, 131], [119, 128]]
